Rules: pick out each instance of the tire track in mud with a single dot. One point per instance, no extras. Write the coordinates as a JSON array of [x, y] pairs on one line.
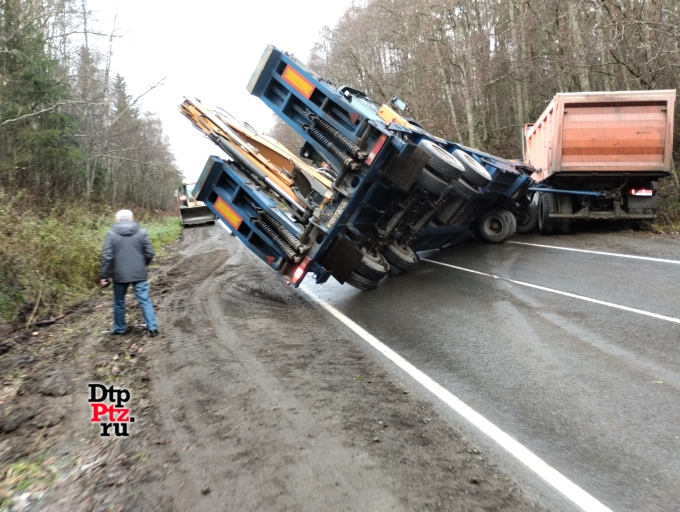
[[265, 405]]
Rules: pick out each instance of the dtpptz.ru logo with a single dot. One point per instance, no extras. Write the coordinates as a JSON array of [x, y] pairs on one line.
[[117, 415]]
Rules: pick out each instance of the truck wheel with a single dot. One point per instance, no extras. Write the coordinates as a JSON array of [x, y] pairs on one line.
[[527, 219], [372, 266], [361, 282], [474, 173], [400, 257], [441, 162], [430, 182], [547, 204], [512, 226], [465, 190], [494, 226], [566, 208]]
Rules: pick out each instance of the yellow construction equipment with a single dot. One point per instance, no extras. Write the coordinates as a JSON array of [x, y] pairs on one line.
[[191, 211]]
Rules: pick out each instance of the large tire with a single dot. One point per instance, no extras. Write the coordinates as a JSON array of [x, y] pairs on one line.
[[513, 222], [565, 206], [372, 266], [361, 282], [547, 204], [494, 226], [433, 184], [441, 161], [474, 173], [465, 190], [400, 257], [527, 219]]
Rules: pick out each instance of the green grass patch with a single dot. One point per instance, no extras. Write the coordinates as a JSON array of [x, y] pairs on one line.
[[23, 475], [50, 256]]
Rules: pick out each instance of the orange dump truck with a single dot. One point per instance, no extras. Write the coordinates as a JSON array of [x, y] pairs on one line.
[[597, 155]]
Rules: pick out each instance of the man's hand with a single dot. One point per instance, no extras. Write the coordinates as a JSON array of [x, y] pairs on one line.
[[103, 283]]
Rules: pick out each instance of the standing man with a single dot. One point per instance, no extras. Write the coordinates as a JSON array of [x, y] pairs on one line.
[[127, 252]]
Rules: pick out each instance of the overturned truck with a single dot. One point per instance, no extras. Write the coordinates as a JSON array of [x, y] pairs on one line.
[[368, 190]]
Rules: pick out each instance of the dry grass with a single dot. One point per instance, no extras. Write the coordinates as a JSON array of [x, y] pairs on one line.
[[49, 256]]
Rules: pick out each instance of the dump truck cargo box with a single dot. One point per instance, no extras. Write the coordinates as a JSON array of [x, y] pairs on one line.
[[602, 132]]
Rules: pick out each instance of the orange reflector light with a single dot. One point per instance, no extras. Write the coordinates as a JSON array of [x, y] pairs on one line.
[[301, 270], [641, 192], [229, 215], [299, 82], [376, 149]]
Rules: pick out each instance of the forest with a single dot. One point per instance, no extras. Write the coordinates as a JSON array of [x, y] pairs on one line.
[[69, 128], [75, 145], [475, 71]]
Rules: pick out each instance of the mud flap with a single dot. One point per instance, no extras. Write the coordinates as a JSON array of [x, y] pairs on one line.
[[341, 259], [406, 166]]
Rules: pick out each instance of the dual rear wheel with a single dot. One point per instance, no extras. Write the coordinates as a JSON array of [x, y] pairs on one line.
[[394, 260], [496, 225], [457, 173], [548, 203]]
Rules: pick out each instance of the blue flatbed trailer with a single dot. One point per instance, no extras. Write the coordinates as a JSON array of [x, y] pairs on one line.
[[379, 206]]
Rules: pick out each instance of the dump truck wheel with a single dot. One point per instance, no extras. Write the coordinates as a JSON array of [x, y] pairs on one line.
[[527, 219], [372, 266], [400, 257], [430, 182], [566, 208], [494, 226], [441, 161], [465, 190], [474, 173], [512, 226], [361, 282], [547, 204]]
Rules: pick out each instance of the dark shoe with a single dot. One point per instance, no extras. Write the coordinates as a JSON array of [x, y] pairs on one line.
[[152, 334], [116, 333]]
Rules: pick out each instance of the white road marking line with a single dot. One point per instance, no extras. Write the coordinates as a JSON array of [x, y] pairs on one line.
[[550, 475], [559, 292], [618, 255], [224, 226]]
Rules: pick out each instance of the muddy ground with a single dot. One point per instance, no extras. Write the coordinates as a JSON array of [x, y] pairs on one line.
[[250, 399]]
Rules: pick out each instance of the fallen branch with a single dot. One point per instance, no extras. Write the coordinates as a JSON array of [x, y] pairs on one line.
[[53, 320]]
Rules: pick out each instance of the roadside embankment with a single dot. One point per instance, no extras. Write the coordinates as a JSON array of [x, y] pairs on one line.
[[49, 255]]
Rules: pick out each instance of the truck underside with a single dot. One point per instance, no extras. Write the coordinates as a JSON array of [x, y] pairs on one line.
[[562, 199], [369, 189]]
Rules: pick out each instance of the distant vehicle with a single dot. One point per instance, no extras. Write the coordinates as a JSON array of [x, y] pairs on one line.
[[598, 155], [369, 189], [191, 211]]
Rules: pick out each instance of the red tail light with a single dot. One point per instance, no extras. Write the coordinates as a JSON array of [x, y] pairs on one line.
[[641, 192], [301, 270], [376, 149]]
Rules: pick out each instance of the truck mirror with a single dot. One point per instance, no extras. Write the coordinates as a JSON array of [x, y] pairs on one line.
[[398, 102]]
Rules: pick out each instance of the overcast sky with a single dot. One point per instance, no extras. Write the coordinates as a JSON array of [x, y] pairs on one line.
[[207, 49]]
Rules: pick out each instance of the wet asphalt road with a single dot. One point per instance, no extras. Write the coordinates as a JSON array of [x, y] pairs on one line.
[[592, 390]]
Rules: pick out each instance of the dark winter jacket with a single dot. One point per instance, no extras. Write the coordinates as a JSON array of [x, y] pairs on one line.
[[127, 252]]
